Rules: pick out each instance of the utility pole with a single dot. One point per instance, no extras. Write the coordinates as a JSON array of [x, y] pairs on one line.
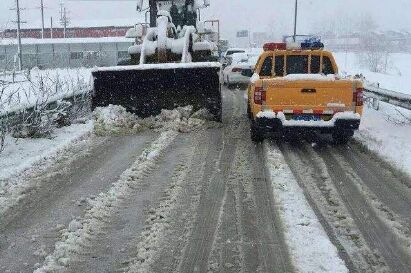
[[19, 47], [42, 19], [64, 20], [295, 20], [51, 27]]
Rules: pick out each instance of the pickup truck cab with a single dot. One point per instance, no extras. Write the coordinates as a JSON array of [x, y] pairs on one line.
[[299, 89]]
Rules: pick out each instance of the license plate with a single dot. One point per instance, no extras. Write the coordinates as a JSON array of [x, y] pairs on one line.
[[307, 117]]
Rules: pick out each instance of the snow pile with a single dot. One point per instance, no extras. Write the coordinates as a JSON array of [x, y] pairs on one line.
[[40, 87], [160, 66], [115, 120], [21, 156], [102, 207], [310, 247], [308, 77], [270, 114]]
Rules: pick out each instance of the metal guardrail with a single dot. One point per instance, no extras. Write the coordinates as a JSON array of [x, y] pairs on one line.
[[388, 96]]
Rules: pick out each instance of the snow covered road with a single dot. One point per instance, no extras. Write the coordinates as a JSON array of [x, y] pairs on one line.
[[60, 197], [211, 201], [363, 203]]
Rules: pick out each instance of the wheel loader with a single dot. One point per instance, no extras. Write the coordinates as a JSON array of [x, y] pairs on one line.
[[173, 62]]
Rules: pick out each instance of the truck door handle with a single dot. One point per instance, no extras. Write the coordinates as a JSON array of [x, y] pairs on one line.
[[308, 90]]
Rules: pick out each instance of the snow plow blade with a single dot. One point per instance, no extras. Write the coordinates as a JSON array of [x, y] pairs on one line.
[[147, 89]]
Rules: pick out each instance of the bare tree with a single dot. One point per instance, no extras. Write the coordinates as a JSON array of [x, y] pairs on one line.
[[39, 120], [375, 53], [3, 124]]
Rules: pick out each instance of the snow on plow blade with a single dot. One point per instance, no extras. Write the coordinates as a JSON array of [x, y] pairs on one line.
[[146, 89]]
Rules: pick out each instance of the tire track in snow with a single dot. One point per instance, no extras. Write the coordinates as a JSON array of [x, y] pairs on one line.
[[160, 219], [377, 234], [249, 237], [273, 249], [181, 218], [81, 231], [389, 185], [143, 216], [26, 240], [199, 246], [314, 178]]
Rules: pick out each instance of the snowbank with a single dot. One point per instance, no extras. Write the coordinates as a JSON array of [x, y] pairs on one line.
[[387, 131], [42, 86], [159, 66], [115, 120], [310, 247], [20, 156], [308, 77]]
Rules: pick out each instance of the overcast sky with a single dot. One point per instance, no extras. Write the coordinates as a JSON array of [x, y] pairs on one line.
[[255, 15]]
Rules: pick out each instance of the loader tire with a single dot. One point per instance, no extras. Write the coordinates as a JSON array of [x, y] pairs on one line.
[[215, 110]]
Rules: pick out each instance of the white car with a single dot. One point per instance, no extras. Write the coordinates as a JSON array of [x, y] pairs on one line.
[[237, 65], [229, 53]]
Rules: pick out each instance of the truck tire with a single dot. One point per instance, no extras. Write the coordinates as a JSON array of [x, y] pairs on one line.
[[256, 135], [342, 136], [249, 115]]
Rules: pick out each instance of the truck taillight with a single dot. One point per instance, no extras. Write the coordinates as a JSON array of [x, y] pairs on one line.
[[236, 69], [358, 97], [259, 95], [274, 46]]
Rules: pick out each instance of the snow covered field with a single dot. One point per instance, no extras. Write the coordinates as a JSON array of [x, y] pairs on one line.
[[41, 86], [397, 78], [387, 131]]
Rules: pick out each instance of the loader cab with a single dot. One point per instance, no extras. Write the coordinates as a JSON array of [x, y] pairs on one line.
[[182, 12]]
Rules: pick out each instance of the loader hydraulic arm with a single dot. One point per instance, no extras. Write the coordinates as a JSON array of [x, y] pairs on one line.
[[153, 12]]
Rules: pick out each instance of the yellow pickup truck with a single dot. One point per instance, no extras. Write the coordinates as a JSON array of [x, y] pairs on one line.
[[299, 89]]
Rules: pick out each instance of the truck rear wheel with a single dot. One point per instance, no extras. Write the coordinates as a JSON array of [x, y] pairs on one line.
[[342, 136], [249, 115], [256, 135]]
